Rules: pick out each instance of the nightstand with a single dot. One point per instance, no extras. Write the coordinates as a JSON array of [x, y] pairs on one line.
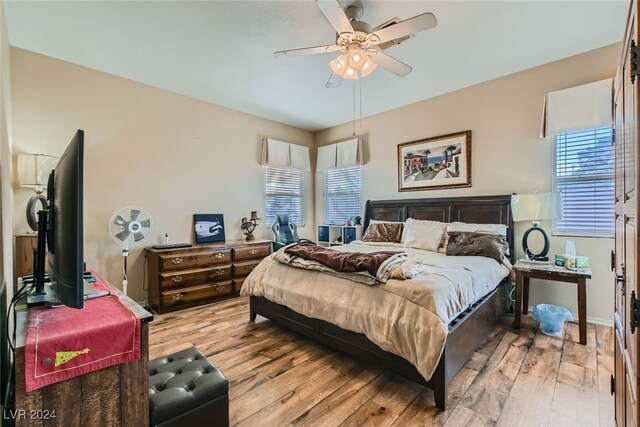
[[544, 271]]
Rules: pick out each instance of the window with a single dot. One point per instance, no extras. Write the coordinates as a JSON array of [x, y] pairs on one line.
[[283, 194], [342, 194], [583, 173]]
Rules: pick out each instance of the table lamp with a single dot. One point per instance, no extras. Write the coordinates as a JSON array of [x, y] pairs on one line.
[[34, 169], [536, 207], [33, 172]]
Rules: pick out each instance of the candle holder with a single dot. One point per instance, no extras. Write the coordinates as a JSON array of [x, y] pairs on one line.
[[248, 225]]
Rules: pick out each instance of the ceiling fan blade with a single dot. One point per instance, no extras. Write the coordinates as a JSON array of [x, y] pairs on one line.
[[306, 51], [134, 214], [334, 81], [120, 221], [335, 15], [391, 64], [146, 223], [423, 22], [138, 236], [123, 235]]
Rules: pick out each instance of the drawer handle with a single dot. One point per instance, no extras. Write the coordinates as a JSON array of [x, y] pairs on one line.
[[219, 272], [178, 297], [219, 255], [220, 288], [177, 261], [253, 251], [177, 279]]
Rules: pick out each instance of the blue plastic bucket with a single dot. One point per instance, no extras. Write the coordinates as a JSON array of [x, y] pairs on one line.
[[551, 318]]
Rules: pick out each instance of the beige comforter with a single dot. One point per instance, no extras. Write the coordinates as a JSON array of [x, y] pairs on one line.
[[407, 317]]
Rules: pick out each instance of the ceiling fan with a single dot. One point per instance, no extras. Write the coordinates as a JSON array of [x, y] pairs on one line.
[[360, 45]]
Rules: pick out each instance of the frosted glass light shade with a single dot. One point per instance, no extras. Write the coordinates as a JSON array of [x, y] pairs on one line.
[[350, 73], [357, 58], [339, 64], [368, 67], [34, 169], [537, 206]]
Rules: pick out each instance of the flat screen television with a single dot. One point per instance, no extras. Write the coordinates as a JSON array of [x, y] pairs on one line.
[[66, 232], [61, 226]]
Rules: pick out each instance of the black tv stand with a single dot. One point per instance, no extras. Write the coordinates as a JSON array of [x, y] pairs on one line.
[[49, 294]]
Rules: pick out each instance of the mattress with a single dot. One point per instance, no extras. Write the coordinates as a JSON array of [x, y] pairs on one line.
[[406, 317]]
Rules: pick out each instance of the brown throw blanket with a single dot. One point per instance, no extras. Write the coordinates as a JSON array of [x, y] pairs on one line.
[[342, 262]]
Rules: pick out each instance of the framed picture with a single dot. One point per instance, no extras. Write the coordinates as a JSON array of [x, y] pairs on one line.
[[435, 163], [209, 228]]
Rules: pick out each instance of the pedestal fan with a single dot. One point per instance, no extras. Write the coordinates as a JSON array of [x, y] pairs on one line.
[[130, 227]]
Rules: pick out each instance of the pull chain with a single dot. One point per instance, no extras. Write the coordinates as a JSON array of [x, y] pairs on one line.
[[354, 108], [360, 87]]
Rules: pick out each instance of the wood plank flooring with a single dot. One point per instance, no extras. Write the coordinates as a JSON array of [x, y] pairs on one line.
[[278, 378]]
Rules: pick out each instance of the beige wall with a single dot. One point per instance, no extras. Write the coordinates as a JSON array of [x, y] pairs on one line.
[[170, 154], [507, 155], [6, 200]]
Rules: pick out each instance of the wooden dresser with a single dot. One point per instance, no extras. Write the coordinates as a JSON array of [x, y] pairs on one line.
[[23, 249], [186, 277]]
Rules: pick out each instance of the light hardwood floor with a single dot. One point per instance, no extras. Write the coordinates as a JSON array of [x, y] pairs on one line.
[[278, 378]]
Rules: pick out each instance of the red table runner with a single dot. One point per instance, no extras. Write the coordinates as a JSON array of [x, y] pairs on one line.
[[64, 343]]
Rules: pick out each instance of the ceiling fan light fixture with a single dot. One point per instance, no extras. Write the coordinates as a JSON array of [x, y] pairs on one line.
[[350, 73], [340, 64], [368, 67], [357, 58]]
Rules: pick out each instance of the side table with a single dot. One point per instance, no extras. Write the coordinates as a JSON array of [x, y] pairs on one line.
[[528, 270]]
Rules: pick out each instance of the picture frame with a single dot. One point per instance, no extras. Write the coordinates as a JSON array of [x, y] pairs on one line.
[[435, 163], [209, 228]]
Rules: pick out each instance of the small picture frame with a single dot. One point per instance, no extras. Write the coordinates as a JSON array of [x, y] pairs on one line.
[[209, 228]]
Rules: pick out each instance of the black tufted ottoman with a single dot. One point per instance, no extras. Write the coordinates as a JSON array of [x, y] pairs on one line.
[[185, 389]]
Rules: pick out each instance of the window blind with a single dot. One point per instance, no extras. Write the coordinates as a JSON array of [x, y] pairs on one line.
[[283, 194], [584, 174], [342, 194]]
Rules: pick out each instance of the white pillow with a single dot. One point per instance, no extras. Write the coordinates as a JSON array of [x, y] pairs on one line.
[[499, 229], [422, 234]]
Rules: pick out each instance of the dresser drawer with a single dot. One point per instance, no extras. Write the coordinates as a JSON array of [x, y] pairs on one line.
[[251, 252], [194, 259], [180, 279], [194, 294], [242, 269]]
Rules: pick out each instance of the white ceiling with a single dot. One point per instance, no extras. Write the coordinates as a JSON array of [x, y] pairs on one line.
[[222, 51]]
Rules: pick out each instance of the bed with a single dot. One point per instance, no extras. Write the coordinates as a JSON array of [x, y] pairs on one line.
[[463, 333]]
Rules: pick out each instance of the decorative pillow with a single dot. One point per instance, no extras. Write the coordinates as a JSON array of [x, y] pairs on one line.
[[499, 229], [477, 244], [375, 221], [422, 234], [383, 232]]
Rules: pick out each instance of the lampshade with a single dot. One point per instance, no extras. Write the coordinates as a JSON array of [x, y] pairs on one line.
[[357, 58], [536, 206], [368, 67], [34, 169]]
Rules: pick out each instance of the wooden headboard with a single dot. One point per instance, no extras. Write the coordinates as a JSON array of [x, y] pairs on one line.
[[473, 209]]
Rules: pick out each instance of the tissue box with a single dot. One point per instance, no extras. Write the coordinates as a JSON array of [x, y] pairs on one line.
[[582, 261]]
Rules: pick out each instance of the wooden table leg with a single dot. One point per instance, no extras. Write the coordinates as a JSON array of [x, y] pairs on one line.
[[517, 311], [582, 309], [525, 296]]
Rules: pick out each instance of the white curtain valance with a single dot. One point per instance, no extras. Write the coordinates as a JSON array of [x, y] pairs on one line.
[[578, 108], [280, 154], [340, 155]]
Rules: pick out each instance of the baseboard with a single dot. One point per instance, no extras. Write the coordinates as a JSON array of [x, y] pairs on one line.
[[590, 319]]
